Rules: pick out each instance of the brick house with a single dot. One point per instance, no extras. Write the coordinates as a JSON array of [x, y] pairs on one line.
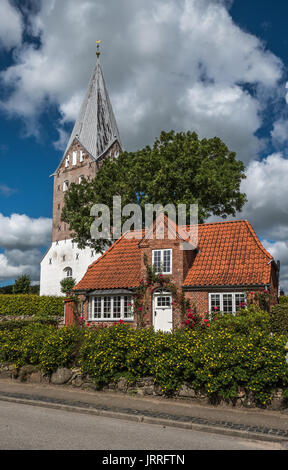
[[228, 263]]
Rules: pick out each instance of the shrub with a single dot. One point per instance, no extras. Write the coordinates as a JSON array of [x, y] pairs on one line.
[[67, 285], [12, 324], [22, 305], [218, 361], [279, 319], [243, 322], [283, 299], [22, 346], [60, 348]]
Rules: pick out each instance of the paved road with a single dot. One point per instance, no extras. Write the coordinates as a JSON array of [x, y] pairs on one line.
[[25, 427]]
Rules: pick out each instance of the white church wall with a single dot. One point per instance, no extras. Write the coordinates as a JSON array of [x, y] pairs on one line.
[[59, 257]]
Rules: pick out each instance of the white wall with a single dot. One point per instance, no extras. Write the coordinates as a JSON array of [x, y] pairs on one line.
[[52, 274]]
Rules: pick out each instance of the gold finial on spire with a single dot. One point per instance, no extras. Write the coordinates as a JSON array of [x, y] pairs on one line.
[[98, 53]]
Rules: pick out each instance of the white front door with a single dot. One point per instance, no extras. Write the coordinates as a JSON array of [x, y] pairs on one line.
[[162, 312]]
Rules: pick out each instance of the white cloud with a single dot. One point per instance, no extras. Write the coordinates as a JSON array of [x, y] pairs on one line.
[[157, 55], [280, 132], [15, 263], [279, 251], [10, 26], [224, 111], [22, 232], [21, 239], [267, 191]]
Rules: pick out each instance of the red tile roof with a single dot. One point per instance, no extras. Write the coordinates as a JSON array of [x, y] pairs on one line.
[[230, 254], [119, 267]]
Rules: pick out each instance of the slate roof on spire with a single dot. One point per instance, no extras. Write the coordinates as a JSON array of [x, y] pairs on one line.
[[96, 128]]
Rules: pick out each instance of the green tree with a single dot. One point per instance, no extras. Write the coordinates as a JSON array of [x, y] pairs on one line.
[[22, 285], [67, 285], [179, 169]]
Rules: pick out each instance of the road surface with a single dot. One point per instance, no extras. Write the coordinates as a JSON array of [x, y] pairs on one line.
[[26, 427]]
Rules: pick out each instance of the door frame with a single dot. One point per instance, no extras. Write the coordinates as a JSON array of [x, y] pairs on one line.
[[161, 293]]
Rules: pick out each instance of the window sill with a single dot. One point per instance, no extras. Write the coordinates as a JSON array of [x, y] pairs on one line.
[[109, 320]]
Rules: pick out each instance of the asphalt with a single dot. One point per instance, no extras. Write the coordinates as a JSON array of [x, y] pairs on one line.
[[256, 424]]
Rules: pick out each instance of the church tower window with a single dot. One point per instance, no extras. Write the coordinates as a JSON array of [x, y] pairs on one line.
[[67, 160], [68, 271]]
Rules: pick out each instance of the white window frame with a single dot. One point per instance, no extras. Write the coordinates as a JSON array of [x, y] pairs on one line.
[[162, 260], [69, 272], [65, 186], [221, 294], [81, 156], [80, 179], [112, 318], [74, 159], [67, 160]]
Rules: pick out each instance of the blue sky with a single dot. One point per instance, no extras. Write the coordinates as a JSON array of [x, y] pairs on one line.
[[217, 67]]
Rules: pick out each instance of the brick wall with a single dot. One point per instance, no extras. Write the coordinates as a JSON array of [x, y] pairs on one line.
[[88, 169]]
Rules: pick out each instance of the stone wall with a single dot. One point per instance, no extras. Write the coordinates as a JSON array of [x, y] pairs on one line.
[[145, 386]]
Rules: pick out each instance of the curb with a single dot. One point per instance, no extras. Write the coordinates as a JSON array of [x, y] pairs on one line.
[[187, 423]]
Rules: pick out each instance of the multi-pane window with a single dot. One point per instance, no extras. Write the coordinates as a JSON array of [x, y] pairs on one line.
[[162, 260], [240, 301], [97, 307], [107, 304], [114, 307], [214, 302], [227, 302], [128, 307], [163, 301]]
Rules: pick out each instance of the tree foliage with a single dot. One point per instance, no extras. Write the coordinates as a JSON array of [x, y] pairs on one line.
[[179, 169], [67, 284], [22, 285]]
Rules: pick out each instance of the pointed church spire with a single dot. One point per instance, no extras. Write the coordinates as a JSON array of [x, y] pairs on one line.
[[96, 128]]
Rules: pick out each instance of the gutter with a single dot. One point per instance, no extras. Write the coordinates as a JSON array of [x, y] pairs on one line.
[[222, 287]]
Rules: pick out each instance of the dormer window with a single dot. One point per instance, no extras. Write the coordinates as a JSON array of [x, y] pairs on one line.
[[162, 261], [65, 185]]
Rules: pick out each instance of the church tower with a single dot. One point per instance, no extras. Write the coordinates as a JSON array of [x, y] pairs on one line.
[[94, 138]]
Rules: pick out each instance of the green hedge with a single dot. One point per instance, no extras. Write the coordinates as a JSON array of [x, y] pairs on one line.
[[245, 321], [42, 345], [283, 299], [279, 319], [12, 324], [215, 361], [22, 305]]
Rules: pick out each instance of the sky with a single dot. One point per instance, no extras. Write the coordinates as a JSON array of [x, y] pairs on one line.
[[217, 67]]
